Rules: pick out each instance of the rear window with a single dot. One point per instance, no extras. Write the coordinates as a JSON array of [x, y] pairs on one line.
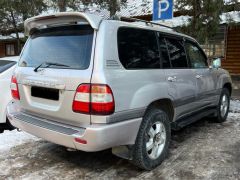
[[138, 49], [67, 45], [5, 65]]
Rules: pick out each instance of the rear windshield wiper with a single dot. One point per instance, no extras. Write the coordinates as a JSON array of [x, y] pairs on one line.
[[48, 64]]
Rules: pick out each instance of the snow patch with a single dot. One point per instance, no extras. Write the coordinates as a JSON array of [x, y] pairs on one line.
[[233, 16], [10, 139], [11, 36], [235, 106]]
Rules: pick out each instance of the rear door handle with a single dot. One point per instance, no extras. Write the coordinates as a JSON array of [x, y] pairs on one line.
[[172, 78], [199, 76]]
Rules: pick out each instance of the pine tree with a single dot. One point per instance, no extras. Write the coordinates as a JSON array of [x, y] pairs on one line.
[[112, 5], [77, 5], [205, 17], [14, 12]]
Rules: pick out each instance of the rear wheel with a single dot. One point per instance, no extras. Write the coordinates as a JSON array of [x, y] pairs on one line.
[[153, 140], [223, 106]]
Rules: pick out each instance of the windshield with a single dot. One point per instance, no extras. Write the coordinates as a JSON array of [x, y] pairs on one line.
[[68, 45]]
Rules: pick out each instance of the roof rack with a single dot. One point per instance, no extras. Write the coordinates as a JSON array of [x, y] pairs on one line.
[[127, 19]]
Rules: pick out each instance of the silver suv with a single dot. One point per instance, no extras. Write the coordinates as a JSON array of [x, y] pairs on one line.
[[88, 83]]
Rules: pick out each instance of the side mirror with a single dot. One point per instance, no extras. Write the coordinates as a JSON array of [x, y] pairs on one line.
[[215, 63]]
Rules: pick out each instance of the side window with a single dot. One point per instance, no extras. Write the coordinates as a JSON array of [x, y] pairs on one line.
[[177, 53], [138, 49], [164, 53], [196, 56], [4, 65]]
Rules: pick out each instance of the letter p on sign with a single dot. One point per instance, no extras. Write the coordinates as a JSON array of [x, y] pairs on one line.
[[162, 9]]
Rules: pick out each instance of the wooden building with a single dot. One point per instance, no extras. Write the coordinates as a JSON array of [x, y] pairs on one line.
[[8, 48], [8, 45], [231, 61]]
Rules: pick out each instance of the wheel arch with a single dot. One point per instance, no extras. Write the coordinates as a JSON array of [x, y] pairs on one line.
[[164, 104], [228, 86]]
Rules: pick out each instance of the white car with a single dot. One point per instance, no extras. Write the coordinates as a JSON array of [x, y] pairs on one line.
[[7, 66]]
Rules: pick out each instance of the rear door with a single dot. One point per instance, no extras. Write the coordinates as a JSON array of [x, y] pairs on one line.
[[180, 78], [63, 56], [204, 76]]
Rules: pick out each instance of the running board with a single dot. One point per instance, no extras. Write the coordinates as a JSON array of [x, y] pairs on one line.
[[187, 120]]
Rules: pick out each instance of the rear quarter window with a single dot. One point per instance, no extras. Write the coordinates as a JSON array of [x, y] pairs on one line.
[[138, 48]]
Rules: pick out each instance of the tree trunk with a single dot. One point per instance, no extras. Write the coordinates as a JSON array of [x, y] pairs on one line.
[[17, 34], [113, 7], [62, 5], [196, 14]]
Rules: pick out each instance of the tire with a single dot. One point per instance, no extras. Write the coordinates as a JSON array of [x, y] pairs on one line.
[[222, 116], [153, 119], [10, 127]]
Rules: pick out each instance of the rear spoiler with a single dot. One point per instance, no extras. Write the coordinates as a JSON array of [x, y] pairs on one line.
[[61, 18]]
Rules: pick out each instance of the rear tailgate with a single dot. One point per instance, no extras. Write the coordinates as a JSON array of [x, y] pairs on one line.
[[49, 91]]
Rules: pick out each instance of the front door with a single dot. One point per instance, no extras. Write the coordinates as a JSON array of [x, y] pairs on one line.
[[179, 76], [204, 76]]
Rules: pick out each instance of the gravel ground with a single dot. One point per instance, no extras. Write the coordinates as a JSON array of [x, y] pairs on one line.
[[203, 150]]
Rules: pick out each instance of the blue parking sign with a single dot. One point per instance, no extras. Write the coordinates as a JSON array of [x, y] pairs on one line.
[[162, 9]]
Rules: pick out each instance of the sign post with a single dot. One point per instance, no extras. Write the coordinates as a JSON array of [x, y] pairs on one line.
[[162, 9]]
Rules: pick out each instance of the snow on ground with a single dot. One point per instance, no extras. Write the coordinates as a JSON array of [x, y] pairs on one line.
[[10, 139], [235, 106], [234, 114]]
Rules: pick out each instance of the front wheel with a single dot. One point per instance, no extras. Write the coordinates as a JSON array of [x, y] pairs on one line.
[[223, 106], [153, 140]]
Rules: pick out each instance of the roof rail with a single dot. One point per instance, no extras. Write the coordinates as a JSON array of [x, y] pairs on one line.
[[127, 19]]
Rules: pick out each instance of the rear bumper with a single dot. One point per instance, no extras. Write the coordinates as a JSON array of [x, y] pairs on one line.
[[98, 136]]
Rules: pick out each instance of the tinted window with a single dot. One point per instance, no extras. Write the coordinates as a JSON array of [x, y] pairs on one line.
[[4, 65], [177, 53], [196, 56], [164, 53], [138, 49], [68, 45]]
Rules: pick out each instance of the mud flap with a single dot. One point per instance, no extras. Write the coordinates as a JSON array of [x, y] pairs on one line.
[[124, 152]]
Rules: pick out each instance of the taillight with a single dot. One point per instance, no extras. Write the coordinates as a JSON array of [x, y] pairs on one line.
[[94, 99], [102, 101], [14, 88], [81, 102]]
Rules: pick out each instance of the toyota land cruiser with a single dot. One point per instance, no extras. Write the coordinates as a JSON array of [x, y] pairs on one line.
[[90, 83]]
